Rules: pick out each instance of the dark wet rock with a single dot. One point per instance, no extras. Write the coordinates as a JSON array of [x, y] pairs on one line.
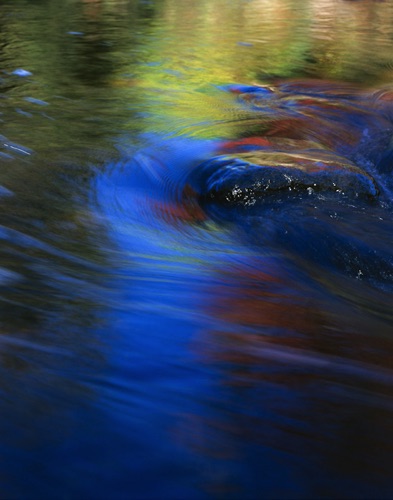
[[251, 175]]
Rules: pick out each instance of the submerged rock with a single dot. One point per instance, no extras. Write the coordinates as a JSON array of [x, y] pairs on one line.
[[309, 176], [248, 176]]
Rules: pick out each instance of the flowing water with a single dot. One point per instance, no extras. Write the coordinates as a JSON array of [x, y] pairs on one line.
[[166, 330]]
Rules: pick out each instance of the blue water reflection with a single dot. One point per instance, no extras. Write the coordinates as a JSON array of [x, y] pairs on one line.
[[195, 261]]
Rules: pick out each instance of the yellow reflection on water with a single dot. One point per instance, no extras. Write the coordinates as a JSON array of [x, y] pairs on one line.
[[191, 47]]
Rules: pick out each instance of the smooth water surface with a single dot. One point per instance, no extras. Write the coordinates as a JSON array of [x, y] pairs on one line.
[[155, 344]]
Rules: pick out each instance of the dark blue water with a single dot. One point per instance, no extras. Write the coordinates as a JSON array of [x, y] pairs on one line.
[[196, 267]]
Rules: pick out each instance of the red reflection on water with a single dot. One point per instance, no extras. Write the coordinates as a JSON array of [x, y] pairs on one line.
[[334, 114], [296, 378], [186, 209]]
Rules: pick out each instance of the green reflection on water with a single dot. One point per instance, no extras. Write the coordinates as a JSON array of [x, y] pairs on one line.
[[112, 67]]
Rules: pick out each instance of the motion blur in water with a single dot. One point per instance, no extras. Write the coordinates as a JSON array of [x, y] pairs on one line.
[[196, 261]]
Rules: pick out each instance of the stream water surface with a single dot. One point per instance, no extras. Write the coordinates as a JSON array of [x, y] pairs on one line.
[[169, 328]]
